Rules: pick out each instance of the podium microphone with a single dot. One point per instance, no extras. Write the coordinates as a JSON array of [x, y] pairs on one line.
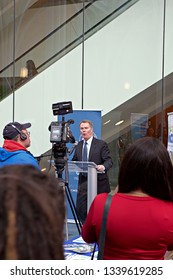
[[73, 148]]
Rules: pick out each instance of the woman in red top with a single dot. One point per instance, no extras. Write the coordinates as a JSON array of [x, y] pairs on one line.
[[140, 219]]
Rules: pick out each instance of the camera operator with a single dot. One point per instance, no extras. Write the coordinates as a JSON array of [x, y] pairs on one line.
[[16, 141]]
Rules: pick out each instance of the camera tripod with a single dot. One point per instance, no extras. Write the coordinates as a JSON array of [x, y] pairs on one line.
[[61, 164]]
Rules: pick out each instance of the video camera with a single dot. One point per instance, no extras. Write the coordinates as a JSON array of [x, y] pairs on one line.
[[60, 133]]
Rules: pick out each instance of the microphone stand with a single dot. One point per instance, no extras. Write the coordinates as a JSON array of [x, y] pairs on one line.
[[73, 148]]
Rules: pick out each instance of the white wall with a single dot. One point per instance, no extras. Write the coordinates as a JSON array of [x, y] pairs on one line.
[[129, 49]]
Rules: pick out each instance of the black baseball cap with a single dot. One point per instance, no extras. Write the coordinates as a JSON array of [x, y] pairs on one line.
[[11, 130]]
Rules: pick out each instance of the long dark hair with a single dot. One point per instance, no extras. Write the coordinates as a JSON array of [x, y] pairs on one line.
[[147, 166], [32, 214]]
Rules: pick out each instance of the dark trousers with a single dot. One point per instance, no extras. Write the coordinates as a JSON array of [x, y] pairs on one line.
[[81, 201]]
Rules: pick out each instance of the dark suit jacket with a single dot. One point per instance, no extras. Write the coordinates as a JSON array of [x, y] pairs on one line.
[[100, 154]]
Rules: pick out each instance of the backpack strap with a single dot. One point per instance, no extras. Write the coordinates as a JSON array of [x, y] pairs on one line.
[[102, 237]]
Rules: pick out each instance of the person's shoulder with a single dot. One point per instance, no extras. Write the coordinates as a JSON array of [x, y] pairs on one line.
[[20, 153], [79, 144], [99, 201], [25, 157], [24, 154], [99, 142], [101, 197], [166, 206]]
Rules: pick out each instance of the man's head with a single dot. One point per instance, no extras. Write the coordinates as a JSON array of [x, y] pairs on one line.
[[17, 132], [86, 129]]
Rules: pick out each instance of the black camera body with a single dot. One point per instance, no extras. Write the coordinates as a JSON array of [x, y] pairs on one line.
[[60, 132], [56, 132], [62, 108]]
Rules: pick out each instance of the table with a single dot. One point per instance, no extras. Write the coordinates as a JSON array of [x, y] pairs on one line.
[[78, 249]]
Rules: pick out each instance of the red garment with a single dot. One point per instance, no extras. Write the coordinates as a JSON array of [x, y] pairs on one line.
[[138, 228], [13, 146]]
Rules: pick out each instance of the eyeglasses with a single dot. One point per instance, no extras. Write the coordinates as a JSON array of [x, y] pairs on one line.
[[26, 132]]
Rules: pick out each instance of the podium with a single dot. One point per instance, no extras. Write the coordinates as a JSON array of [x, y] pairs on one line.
[[90, 169]]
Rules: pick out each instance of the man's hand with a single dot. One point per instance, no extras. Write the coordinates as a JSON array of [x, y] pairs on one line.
[[100, 168]]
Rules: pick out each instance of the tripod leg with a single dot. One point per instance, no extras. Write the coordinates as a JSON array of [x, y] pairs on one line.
[[73, 209], [66, 227], [70, 199]]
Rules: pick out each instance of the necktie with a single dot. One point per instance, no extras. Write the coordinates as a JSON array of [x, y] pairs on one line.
[[85, 152], [84, 158]]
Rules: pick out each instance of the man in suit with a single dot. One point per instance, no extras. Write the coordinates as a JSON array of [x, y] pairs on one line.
[[97, 152]]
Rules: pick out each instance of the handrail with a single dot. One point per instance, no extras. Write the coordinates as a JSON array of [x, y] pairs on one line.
[[94, 25], [114, 14], [45, 38]]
